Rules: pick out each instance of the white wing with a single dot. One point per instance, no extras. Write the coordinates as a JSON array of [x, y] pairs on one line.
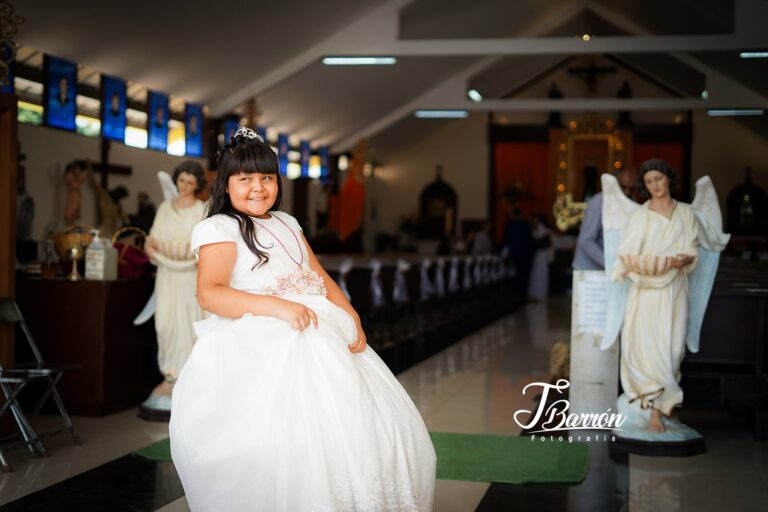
[[170, 191], [617, 209], [148, 312], [712, 240], [707, 209]]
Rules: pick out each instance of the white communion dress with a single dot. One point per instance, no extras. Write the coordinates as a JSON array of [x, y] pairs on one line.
[[267, 418]]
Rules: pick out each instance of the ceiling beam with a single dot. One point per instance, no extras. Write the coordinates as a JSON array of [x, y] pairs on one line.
[[562, 46], [380, 24]]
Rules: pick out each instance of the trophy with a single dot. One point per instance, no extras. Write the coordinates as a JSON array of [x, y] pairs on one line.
[[75, 254], [70, 246]]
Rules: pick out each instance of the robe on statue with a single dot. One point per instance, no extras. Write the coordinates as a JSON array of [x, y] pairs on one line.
[[654, 333], [175, 285]]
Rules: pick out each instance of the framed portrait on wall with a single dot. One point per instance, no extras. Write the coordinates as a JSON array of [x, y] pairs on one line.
[[59, 92], [305, 154], [282, 152], [157, 121], [229, 128], [193, 130], [324, 154], [113, 105]]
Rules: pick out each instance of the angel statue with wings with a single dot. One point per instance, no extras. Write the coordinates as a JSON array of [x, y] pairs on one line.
[[661, 258], [173, 303]]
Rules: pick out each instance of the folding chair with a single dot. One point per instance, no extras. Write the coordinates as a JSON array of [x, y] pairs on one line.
[[14, 378]]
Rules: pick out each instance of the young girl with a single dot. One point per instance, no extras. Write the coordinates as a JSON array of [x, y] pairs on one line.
[[282, 406]]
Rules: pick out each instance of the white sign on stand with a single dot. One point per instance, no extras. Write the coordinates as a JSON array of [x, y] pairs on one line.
[[593, 303]]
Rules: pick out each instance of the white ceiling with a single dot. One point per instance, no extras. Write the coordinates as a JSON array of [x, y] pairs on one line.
[[220, 54]]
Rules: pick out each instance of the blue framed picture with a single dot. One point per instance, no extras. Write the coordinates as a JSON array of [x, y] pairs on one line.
[[157, 121], [193, 130], [231, 125], [59, 93], [324, 153], [113, 105], [6, 61], [305, 154], [282, 152]]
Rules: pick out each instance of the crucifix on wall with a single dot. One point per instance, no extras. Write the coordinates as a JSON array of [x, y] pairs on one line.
[[591, 73], [104, 168], [110, 212]]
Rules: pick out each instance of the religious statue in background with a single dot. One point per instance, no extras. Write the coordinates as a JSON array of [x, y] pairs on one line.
[[747, 212], [591, 173], [74, 177], [438, 203], [111, 216], [174, 299], [661, 258]]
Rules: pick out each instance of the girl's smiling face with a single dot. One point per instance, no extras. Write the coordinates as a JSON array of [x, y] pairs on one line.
[[252, 193]]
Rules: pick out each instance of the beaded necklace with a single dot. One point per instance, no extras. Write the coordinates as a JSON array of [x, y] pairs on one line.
[[301, 253]]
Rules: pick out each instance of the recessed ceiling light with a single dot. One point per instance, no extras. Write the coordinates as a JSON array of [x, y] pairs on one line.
[[586, 37], [441, 114], [753, 55], [704, 94], [359, 61], [720, 112], [475, 95]]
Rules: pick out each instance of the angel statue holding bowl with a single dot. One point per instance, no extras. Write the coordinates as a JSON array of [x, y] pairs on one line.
[[661, 258]]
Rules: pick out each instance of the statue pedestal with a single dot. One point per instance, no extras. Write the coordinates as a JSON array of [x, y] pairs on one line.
[[679, 440]]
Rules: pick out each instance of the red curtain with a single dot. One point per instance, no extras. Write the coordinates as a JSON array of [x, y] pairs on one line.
[[525, 164]]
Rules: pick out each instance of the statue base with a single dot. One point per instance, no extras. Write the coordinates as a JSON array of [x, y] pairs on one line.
[[156, 408], [635, 435], [624, 445]]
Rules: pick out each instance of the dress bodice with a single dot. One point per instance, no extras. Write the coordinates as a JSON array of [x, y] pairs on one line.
[[279, 237]]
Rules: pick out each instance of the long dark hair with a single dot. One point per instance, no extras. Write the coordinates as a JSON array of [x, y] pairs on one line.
[[243, 155]]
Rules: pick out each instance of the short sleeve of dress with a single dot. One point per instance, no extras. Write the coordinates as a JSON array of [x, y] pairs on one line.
[[213, 230], [290, 220]]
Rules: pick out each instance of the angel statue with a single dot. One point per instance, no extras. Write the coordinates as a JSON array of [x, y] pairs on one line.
[[173, 303], [661, 258]]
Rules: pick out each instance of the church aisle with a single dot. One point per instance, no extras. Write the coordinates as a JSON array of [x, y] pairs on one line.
[[473, 387]]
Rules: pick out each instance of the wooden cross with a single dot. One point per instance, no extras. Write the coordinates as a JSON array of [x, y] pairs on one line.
[[104, 167], [591, 73]]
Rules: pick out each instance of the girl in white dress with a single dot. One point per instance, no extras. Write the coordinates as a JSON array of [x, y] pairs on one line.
[[282, 406]]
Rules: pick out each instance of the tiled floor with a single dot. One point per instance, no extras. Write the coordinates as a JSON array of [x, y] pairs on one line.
[[472, 387]]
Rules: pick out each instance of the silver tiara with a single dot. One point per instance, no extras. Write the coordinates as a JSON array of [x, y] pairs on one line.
[[248, 133]]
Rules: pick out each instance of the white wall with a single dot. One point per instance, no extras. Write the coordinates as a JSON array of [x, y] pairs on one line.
[[49, 150], [722, 148], [460, 147]]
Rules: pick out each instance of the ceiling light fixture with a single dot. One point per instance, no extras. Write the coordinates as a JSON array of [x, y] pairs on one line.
[[721, 112], [441, 114], [754, 55], [475, 95], [359, 61]]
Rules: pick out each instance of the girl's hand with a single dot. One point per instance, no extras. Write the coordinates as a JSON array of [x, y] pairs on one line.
[[360, 344], [298, 315]]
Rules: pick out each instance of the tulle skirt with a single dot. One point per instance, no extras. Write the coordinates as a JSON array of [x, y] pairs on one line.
[[266, 418]]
